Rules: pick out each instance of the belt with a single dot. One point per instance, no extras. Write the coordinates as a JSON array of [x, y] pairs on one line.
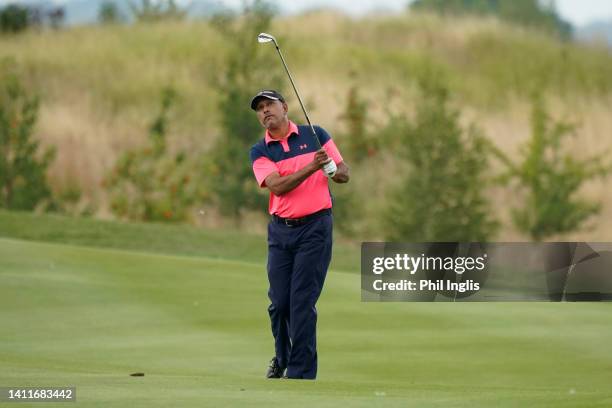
[[296, 222]]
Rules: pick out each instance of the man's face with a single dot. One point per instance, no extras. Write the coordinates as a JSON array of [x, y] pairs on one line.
[[271, 114]]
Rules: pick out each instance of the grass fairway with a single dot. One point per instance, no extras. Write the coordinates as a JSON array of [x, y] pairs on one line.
[[197, 327]]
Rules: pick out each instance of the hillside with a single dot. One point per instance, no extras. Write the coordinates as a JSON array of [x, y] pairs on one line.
[[100, 86]]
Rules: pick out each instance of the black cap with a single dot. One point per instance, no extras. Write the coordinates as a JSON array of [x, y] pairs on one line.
[[266, 93]]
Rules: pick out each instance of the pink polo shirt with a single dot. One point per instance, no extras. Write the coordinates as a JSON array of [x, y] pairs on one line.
[[288, 155]]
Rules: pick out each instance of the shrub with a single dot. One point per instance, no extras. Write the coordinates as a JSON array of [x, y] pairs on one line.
[[358, 144], [441, 197], [23, 183], [247, 71], [149, 184], [549, 177]]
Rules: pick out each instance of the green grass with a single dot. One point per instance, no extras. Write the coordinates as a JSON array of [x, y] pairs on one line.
[[196, 324], [157, 238]]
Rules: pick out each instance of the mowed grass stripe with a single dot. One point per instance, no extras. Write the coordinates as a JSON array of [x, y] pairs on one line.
[[198, 328]]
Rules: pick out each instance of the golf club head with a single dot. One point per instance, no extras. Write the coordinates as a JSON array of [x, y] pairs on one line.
[[266, 38]]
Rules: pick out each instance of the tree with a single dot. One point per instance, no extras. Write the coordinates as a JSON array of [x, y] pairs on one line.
[[23, 183], [14, 18], [442, 196], [56, 17], [357, 140], [550, 177], [247, 71], [109, 13], [152, 11]]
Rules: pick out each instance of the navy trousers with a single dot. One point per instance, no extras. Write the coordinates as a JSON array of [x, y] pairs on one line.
[[298, 258]]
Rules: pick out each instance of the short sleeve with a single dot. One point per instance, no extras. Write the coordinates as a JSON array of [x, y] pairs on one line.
[[333, 152], [262, 168], [328, 144], [322, 135]]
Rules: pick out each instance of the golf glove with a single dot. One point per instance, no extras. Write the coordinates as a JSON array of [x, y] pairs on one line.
[[330, 169]]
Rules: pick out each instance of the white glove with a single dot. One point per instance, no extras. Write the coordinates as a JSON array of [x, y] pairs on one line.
[[330, 168]]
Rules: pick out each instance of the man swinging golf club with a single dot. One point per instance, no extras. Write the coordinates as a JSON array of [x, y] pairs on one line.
[[294, 163]]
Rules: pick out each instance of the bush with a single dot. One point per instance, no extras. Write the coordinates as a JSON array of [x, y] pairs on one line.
[[549, 177], [247, 71], [441, 198], [23, 183], [358, 144], [149, 184]]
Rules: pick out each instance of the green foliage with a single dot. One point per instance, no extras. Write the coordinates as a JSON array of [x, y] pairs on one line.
[[249, 67], [356, 146], [441, 197], [70, 200], [109, 13], [13, 18], [551, 177], [152, 11], [347, 208], [23, 183], [357, 142], [150, 184], [530, 13]]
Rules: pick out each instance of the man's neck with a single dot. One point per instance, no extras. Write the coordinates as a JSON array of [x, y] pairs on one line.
[[281, 131]]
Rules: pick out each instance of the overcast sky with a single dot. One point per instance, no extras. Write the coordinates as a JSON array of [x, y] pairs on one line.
[[578, 12]]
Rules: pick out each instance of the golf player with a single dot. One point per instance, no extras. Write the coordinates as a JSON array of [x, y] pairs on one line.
[[287, 162]]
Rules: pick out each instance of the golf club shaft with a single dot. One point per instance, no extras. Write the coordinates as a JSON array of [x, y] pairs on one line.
[[314, 134]]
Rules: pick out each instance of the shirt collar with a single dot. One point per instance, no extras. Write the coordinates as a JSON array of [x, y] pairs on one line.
[[292, 129]]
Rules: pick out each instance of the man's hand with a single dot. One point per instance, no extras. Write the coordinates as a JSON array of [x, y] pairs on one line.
[[320, 159], [280, 185]]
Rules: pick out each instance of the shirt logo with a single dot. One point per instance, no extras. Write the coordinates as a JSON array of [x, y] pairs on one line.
[[304, 146]]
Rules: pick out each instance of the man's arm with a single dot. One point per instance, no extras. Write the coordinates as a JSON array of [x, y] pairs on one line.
[[342, 174], [280, 185], [342, 171]]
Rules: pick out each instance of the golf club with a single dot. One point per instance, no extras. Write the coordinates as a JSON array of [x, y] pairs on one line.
[[330, 167]]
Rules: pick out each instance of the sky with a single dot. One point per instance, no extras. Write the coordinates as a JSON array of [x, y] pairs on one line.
[[578, 12]]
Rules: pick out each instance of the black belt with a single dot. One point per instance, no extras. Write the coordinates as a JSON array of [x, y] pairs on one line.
[[295, 222]]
